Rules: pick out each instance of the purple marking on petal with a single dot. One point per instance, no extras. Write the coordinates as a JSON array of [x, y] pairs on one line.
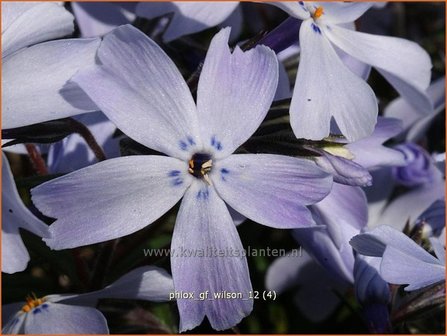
[[183, 145], [223, 172], [203, 194], [302, 5], [215, 143], [191, 141], [316, 28], [187, 143], [173, 173], [177, 179]]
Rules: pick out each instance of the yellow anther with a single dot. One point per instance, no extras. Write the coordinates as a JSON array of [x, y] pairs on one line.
[[318, 12], [339, 151], [32, 302]]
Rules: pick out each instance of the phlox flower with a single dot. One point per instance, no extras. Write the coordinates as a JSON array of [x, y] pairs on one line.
[[325, 88], [419, 166], [402, 260], [340, 216], [352, 163], [433, 220], [15, 215], [189, 17], [34, 72], [73, 153], [316, 291], [407, 207], [75, 313], [330, 265], [139, 88], [373, 293], [99, 18], [417, 121]]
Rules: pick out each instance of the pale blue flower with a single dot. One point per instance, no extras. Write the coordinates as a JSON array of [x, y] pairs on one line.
[[317, 291], [351, 163], [333, 267], [416, 121], [73, 153], [139, 88], [190, 17], [325, 88], [15, 215], [407, 207], [75, 313], [99, 18], [403, 261], [419, 167], [34, 72]]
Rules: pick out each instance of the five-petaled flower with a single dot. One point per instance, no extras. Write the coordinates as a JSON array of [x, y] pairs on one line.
[[325, 88], [16, 216], [75, 313], [139, 88]]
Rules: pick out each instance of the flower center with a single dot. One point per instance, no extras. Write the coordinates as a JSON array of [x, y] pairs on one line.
[[318, 12], [32, 302], [200, 165]]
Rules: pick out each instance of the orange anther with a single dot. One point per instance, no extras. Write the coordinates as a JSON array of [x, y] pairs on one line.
[[318, 12], [32, 302]]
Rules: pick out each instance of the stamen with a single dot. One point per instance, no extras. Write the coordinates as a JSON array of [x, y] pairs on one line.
[[200, 165], [340, 151], [32, 302], [318, 12], [207, 179]]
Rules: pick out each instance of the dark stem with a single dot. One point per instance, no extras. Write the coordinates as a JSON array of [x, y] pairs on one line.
[[36, 159], [88, 137], [81, 269], [102, 264]]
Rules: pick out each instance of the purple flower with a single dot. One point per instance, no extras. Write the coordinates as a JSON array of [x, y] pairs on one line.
[[403, 261], [139, 88], [352, 104], [34, 74], [418, 169], [75, 313], [15, 215]]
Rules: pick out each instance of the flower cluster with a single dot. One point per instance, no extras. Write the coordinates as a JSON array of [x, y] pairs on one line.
[[167, 125]]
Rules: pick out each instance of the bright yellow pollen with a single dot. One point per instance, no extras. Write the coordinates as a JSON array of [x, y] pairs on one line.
[[32, 302], [339, 151], [318, 12]]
